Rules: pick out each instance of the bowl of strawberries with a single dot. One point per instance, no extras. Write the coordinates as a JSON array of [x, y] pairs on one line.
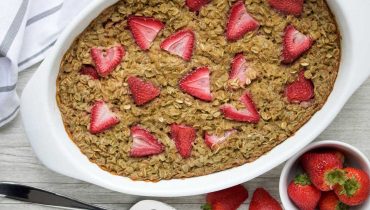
[[326, 175]]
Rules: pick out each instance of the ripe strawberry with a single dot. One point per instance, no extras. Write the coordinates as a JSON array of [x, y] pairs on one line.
[[355, 189], [262, 200], [102, 118], [142, 92], [288, 7], [321, 166], [180, 43], [294, 44], [240, 70], [227, 199], [197, 84], [144, 143], [329, 201], [89, 71], [184, 137], [300, 90], [213, 140], [195, 5], [249, 114], [144, 30], [303, 193], [240, 22], [107, 60]]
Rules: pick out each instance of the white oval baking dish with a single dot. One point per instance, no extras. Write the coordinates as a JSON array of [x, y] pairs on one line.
[[45, 130]]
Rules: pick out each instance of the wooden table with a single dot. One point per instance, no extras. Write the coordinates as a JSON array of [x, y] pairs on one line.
[[19, 164]]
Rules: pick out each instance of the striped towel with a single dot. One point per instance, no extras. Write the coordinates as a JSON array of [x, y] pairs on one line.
[[28, 29]]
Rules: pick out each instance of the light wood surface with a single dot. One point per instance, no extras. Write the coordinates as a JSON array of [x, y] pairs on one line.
[[19, 164]]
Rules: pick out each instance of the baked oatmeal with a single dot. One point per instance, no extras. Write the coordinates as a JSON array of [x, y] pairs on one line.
[[158, 89]]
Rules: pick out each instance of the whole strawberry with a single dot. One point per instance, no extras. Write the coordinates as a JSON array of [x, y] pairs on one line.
[[320, 165], [262, 200], [303, 193], [355, 189], [329, 201], [227, 199]]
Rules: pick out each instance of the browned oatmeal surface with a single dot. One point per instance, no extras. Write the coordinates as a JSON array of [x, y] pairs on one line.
[[279, 118]]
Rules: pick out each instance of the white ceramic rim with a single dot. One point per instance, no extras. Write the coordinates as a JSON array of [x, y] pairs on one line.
[[347, 148], [45, 130]]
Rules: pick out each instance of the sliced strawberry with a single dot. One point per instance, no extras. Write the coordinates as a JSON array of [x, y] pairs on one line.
[[294, 44], [240, 71], [288, 7], [144, 30], [184, 137], [249, 114], [300, 90], [227, 199], [197, 84], [213, 140], [240, 22], [142, 91], [144, 143], [180, 43], [107, 60], [89, 71], [195, 5], [102, 118]]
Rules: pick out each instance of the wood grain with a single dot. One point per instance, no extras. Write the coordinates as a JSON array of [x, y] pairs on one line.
[[19, 164]]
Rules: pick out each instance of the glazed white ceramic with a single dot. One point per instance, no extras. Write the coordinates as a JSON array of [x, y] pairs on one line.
[[151, 205], [45, 131], [353, 157]]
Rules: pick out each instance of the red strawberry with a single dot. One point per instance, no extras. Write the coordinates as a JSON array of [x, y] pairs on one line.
[[142, 92], [249, 114], [144, 30], [294, 44], [300, 90], [227, 199], [303, 193], [107, 60], [262, 200], [197, 84], [288, 7], [180, 43], [240, 69], [144, 143], [89, 71], [184, 137], [213, 140], [329, 201], [102, 118], [355, 189], [240, 22], [195, 5], [320, 165]]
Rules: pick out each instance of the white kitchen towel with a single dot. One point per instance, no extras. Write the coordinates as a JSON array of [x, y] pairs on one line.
[[28, 29]]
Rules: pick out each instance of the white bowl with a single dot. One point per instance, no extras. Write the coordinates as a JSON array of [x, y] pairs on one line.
[[44, 127], [353, 157]]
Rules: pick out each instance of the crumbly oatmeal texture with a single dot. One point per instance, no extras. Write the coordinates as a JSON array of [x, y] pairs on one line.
[[279, 119]]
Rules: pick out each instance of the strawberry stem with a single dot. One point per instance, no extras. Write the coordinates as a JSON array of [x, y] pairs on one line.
[[302, 179], [341, 206], [336, 176], [350, 187], [206, 207]]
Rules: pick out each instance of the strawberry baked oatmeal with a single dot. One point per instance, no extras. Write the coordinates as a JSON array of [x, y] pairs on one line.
[[160, 89]]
